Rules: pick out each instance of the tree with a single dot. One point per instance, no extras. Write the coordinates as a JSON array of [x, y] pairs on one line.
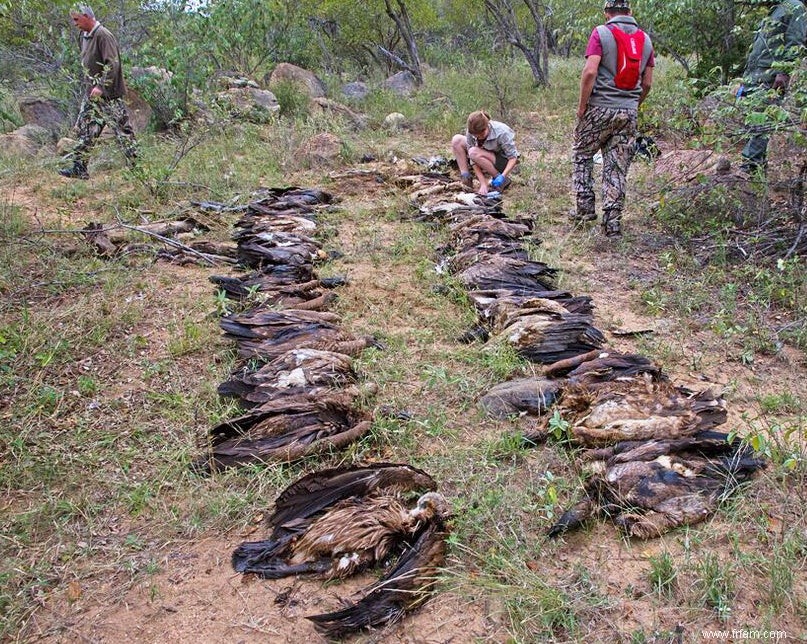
[[401, 19], [526, 29]]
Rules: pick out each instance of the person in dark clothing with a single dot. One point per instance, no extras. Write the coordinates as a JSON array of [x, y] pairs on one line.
[[778, 45], [607, 116], [102, 103]]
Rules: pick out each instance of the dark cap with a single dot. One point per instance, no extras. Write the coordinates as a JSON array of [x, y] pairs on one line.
[[617, 4]]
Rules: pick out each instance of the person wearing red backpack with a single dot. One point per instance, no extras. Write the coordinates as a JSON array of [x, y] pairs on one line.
[[616, 79]]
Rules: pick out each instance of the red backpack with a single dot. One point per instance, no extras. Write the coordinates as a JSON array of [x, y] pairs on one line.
[[629, 48]]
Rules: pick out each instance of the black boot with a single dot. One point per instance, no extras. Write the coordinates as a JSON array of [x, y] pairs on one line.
[[77, 171], [612, 223]]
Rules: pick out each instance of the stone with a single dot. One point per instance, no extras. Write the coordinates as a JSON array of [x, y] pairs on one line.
[[139, 111], [394, 121], [323, 148], [305, 80], [27, 140], [65, 145], [401, 84], [230, 81], [356, 91], [44, 112], [152, 72], [257, 105]]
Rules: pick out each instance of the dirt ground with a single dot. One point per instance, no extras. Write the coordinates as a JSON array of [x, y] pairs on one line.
[[196, 597]]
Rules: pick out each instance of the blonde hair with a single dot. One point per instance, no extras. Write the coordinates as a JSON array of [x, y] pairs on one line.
[[477, 122]]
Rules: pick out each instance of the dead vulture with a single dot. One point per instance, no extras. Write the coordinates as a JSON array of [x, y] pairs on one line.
[[637, 409], [404, 588], [309, 336], [469, 255], [478, 228], [544, 333], [488, 303], [257, 251], [266, 324], [650, 487], [340, 521], [285, 430], [306, 295], [610, 367], [493, 272], [294, 370]]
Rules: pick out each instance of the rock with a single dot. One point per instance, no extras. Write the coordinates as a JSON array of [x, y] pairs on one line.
[[401, 84], [356, 91], [25, 141], [326, 105], [65, 145], [43, 112], [323, 148], [305, 80], [680, 166], [139, 110], [394, 121], [256, 105], [239, 81], [157, 74], [522, 396]]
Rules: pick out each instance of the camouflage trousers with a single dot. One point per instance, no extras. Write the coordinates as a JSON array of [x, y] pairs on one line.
[[613, 132], [93, 117]]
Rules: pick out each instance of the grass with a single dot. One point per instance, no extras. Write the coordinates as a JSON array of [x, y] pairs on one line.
[[109, 368]]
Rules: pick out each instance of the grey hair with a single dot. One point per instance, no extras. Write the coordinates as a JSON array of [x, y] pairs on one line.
[[83, 9]]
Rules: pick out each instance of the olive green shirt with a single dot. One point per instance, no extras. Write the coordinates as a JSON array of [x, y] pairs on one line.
[[780, 39], [100, 58]]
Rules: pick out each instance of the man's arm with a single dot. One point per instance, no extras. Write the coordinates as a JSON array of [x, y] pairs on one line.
[[647, 83], [587, 79], [108, 52]]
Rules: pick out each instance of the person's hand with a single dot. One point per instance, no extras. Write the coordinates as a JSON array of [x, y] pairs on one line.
[[581, 112], [781, 82], [497, 181], [96, 92]]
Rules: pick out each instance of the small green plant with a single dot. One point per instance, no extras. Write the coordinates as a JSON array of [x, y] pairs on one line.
[[715, 584], [663, 574], [559, 427], [294, 102]]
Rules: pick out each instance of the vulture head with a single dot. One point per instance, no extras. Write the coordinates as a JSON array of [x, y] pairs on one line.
[[431, 505]]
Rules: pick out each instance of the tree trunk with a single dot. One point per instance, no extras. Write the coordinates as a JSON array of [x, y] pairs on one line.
[[402, 22], [535, 47]]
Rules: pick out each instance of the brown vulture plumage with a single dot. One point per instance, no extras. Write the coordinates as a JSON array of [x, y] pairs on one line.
[[339, 521], [650, 487]]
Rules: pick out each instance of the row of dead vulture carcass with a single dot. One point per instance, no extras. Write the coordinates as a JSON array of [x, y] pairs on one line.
[[300, 393], [651, 454]]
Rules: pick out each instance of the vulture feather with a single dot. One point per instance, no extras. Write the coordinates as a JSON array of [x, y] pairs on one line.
[[295, 369], [493, 272], [285, 430], [404, 588], [262, 323], [339, 521], [650, 487]]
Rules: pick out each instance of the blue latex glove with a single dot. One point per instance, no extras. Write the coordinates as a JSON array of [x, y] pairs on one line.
[[498, 181]]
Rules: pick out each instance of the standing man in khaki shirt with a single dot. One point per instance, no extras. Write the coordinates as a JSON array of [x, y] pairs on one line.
[[102, 103]]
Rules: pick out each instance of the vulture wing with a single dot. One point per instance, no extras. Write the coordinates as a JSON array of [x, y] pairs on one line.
[[408, 585]]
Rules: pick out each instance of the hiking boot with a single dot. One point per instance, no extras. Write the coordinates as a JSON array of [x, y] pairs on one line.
[[77, 171], [612, 223], [467, 180]]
